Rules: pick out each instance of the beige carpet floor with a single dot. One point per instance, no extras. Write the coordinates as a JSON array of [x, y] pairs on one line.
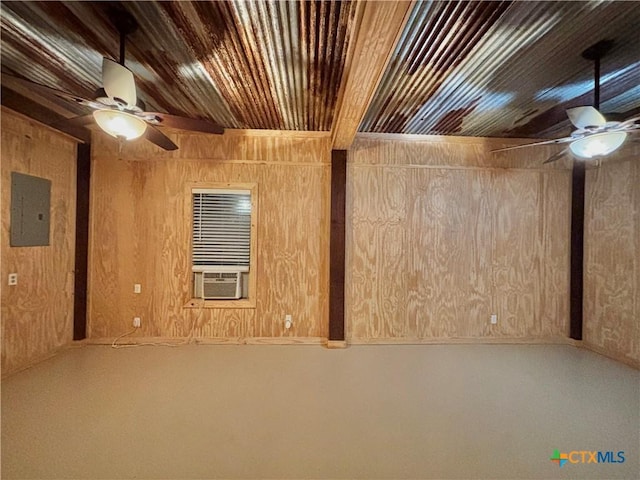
[[432, 411]]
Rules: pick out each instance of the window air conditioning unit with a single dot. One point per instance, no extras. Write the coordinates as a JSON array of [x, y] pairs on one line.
[[218, 285]]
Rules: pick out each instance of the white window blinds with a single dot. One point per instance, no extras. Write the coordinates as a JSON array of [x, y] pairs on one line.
[[221, 227]]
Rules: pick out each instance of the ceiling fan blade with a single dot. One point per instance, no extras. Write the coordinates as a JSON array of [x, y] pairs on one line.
[[615, 117], [118, 81], [583, 117], [545, 142], [80, 121], [48, 91], [555, 157], [158, 138], [185, 123], [630, 122]]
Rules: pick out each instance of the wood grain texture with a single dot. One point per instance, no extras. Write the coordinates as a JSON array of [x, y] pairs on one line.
[[378, 26], [235, 145], [438, 239], [375, 304], [469, 341], [141, 210], [37, 314], [337, 245], [177, 342], [612, 260], [451, 152], [530, 257], [449, 265]]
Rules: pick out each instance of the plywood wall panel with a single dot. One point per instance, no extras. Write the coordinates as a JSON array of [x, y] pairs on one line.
[[450, 152], [292, 263], [517, 246], [37, 314], [612, 260], [145, 236], [234, 145], [376, 208], [449, 268], [439, 238], [228, 323], [553, 318], [111, 218]]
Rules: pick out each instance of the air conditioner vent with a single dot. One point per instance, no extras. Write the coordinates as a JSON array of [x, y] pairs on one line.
[[218, 285]]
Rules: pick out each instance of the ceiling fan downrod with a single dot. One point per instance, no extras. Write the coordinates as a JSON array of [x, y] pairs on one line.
[[595, 53], [126, 24], [123, 40]]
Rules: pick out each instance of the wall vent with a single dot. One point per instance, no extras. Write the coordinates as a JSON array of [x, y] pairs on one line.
[[218, 285]]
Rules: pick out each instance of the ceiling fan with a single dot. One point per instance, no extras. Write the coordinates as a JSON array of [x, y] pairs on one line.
[[594, 135], [117, 109]]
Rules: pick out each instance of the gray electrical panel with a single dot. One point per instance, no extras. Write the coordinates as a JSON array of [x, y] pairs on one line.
[[30, 210]]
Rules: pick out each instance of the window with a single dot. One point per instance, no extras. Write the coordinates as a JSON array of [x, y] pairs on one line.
[[222, 243], [221, 228]]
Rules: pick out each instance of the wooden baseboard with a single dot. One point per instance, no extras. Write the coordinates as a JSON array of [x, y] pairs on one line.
[[632, 362], [208, 341], [332, 343], [464, 341], [174, 341]]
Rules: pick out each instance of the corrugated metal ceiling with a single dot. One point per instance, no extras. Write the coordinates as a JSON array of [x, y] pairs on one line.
[[269, 65], [505, 68], [465, 68]]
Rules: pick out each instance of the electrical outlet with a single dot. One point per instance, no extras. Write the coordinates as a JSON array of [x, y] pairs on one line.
[[137, 322], [137, 288], [494, 319], [13, 279], [287, 321]]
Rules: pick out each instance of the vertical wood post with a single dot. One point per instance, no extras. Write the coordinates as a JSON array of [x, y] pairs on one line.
[[577, 249], [83, 165], [337, 248]]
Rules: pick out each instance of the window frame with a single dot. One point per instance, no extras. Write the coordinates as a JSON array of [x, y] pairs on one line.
[[250, 301]]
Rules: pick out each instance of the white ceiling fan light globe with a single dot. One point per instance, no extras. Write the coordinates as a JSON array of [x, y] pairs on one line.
[[120, 124], [598, 145]]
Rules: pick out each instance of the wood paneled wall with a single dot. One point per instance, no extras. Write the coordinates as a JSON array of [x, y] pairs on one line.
[[440, 235], [612, 259], [37, 314], [140, 233]]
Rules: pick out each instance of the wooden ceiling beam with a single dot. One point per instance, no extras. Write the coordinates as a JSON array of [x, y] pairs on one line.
[[22, 88], [378, 28], [32, 109]]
